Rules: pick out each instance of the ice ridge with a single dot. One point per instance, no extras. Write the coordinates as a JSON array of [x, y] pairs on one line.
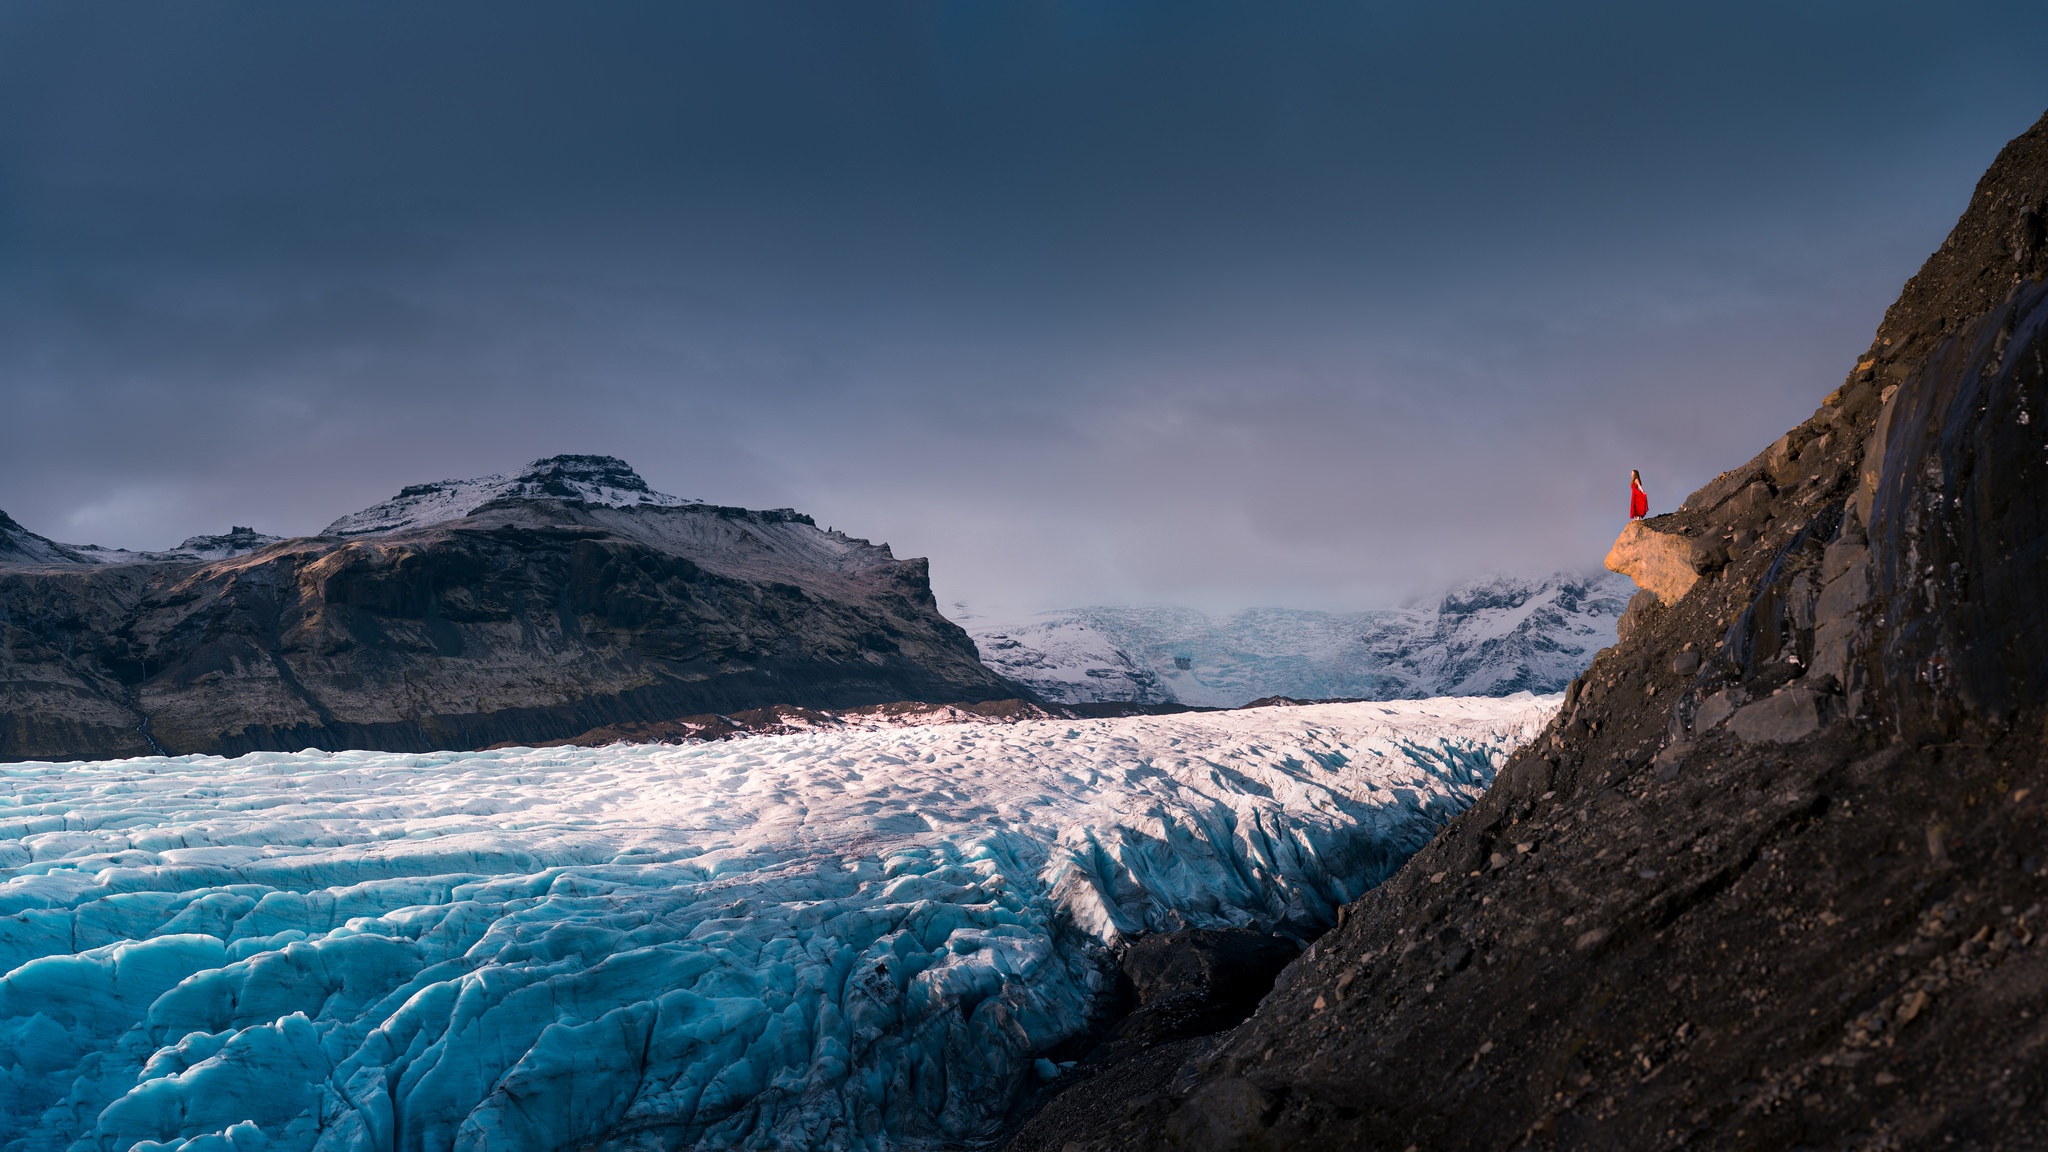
[[824, 941]]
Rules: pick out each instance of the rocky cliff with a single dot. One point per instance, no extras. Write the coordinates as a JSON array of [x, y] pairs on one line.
[[523, 609], [1774, 878]]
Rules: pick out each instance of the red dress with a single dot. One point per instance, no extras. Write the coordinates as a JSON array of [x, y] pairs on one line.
[[1638, 500]]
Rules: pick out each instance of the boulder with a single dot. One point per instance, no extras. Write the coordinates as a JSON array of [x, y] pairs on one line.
[[1659, 562], [1709, 554], [1747, 508], [1717, 708], [1669, 760], [1719, 489], [1783, 462], [1784, 717]]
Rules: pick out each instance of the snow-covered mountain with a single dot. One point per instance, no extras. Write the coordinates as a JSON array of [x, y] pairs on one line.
[[570, 597], [236, 541], [20, 546], [1493, 637], [602, 480]]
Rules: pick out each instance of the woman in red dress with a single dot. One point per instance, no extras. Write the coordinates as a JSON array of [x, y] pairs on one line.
[[1638, 500]]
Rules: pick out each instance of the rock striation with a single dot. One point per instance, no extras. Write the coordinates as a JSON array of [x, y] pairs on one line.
[[1777, 874], [570, 598]]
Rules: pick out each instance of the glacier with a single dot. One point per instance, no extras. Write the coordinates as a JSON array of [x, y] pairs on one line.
[[1489, 637], [835, 940]]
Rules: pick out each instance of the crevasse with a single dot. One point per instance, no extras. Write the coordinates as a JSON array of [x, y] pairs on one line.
[[829, 941]]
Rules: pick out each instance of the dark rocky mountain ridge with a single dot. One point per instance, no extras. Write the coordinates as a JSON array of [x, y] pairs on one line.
[[1774, 878], [527, 618]]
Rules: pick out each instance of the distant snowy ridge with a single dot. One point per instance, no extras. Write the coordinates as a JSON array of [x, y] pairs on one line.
[[237, 541], [18, 545], [835, 940], [606, 481], [1492, 637], [602, 480]]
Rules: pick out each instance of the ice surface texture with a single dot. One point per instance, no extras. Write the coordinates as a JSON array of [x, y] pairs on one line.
[[836, 940]]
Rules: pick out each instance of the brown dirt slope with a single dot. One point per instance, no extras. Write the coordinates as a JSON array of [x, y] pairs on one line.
[[1775, 877]]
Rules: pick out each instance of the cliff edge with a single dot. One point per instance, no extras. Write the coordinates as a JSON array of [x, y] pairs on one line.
[[1774, 877]]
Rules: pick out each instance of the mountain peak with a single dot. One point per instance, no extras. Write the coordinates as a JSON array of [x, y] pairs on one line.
[[234, 542], [18, 545], [605, 480]]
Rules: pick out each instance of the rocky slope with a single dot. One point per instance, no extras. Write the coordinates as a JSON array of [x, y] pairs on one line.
[[512, 609], [1491, 637], [1774, 878]]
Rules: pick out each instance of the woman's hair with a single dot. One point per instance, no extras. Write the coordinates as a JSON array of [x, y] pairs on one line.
[[1635, 475]]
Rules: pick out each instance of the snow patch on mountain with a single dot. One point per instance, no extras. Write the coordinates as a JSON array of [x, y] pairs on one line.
[[832, 940], [237, 541], [1492, 637], [1073, 657], [20, 546], [602, 480]]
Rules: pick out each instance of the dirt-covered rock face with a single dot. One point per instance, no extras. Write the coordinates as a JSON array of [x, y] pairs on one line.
[[526, 621], [1777, 876]]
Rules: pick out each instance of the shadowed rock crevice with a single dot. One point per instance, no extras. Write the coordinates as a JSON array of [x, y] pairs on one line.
[[1180, 990]]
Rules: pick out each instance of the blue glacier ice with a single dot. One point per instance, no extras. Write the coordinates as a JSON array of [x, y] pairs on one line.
[[841, 940]]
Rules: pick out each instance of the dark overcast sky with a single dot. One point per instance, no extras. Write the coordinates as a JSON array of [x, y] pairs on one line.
[[1218, 304]]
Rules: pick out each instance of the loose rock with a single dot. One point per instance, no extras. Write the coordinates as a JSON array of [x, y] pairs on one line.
[[1789, 716]]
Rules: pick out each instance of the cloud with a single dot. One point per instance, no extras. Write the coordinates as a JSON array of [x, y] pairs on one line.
[[1311, 304]]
